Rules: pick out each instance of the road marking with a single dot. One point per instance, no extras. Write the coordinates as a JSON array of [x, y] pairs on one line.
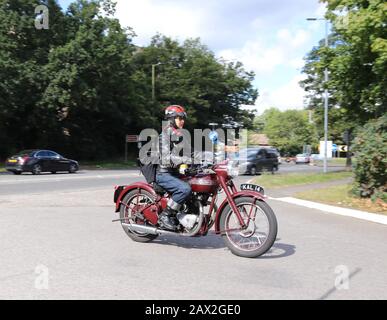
[[378, 218], [68, 178]]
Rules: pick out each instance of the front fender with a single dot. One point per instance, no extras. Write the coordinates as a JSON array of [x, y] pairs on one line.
[[240, 194], [136, 185]]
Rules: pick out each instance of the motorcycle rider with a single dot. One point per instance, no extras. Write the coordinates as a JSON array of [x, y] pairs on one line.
[[167, 171]]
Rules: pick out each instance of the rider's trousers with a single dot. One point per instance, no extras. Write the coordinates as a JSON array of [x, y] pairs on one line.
[[179, 189]]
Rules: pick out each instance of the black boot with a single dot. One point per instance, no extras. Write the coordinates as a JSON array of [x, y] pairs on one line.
[[167, 220]]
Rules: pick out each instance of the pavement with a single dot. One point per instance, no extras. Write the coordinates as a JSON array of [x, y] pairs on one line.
[[293, 190]]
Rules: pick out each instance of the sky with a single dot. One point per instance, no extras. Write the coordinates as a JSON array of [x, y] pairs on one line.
[[270, 37]]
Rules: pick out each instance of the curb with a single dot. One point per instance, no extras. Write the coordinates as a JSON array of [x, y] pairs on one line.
[[363, 215]]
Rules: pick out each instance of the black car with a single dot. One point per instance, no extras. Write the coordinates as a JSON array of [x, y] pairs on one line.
[[254, 160], [38, 161]]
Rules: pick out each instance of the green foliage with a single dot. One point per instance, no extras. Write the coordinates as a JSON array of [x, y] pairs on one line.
[[371, 160], [23, 52], [289, 130], [81, 86], [189, 74], [298, 179], [357, 64]]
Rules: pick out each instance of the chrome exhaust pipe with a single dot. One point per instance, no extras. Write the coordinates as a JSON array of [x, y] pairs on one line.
[[146, 229]]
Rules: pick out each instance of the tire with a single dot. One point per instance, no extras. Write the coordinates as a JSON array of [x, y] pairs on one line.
[[18, 173], [135, 236], [73, 168], [37, 169], [253, 171], [274, 169], [53, 172], [259, 249]]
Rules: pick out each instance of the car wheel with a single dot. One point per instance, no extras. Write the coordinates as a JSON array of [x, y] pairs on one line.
[[37, 169], [53, 172], [253, 171], [274, 169], [17, 172], [73, 168]]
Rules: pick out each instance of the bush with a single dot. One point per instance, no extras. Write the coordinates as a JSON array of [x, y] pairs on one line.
[[370, 147]]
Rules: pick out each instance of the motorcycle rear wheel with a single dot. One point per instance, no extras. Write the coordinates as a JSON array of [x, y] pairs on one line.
[[132, 199], [260, 234]]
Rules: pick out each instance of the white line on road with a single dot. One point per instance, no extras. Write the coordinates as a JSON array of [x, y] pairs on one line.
[[378, 218], [34, 179]]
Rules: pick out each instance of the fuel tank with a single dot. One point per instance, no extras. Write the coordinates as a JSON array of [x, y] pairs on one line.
[[206, 183]]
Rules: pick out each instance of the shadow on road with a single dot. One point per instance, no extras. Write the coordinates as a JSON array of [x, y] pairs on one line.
[[213, 241], [279, 250]]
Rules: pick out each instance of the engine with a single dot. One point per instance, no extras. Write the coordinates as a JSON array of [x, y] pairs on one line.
[[189, 215]]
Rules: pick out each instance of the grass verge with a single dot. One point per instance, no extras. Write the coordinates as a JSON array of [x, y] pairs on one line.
[[295, 179], [341, 196], [334, 162]]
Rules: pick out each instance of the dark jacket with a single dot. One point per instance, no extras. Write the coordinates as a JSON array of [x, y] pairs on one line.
[[171, 150]]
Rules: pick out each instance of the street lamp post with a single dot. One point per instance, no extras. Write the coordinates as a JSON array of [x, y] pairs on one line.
[[326, 97], [153, 79]]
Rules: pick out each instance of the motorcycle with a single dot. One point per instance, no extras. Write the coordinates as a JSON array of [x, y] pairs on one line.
[[245, 221]]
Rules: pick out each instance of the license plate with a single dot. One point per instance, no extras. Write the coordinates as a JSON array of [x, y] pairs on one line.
[[12, 161], [252, 187]]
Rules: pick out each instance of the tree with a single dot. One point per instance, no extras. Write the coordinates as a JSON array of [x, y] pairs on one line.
[[362, 57], [289, 130], [356, 59], [90, 87], [189, 74], [371, 160], [357, 64], [23, 54], [80, 86]]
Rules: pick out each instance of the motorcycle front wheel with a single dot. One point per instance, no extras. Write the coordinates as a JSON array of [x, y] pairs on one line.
[[261, 231]]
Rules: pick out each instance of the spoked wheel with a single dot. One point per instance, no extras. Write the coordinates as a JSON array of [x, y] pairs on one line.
[[261, 231], [37, 169], [73, 168], [130, 211]]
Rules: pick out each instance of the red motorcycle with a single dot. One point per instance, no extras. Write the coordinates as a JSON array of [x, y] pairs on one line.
[[245, 221]]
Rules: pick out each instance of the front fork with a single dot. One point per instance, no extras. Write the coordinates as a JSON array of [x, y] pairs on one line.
[[229, 189]]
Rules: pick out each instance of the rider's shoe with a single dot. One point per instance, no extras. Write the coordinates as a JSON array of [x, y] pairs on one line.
[[167, 220]]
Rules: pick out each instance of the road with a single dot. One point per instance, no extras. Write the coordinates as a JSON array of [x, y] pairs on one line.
[[57, 241]]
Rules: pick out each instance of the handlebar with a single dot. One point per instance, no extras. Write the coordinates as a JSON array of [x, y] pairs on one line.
[[195, 169]]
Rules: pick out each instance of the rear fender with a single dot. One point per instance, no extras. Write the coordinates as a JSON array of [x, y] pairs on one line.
[[126, 189], [246, 193]]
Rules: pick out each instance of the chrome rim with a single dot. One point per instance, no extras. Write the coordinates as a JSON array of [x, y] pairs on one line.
[[137, 200], [257, 231], [37, 169]]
